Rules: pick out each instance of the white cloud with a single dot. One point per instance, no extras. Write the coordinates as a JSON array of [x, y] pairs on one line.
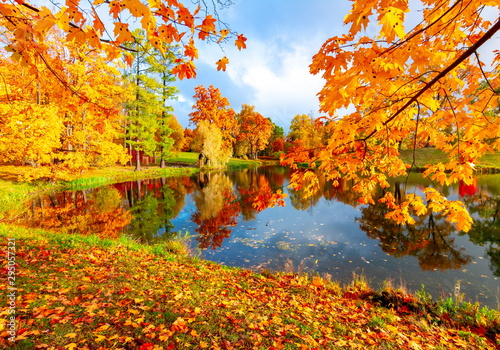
[[279, 79], [273, 76]]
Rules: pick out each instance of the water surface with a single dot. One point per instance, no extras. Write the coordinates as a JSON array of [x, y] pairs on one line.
[[328, 233]]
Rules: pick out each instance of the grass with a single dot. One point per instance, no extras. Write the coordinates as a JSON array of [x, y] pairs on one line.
[[424, 156], [83, 292]]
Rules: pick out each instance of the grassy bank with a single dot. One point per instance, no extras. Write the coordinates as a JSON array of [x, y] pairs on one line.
[[424, 156], [75, 292], [14, 194]]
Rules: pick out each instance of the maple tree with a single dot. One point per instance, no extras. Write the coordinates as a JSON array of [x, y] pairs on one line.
[[429, 84], [46, 124], [102, 25], [216, 124], [254, 131]]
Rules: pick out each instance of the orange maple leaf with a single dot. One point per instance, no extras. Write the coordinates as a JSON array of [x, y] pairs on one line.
[[115, 9], [207, 27], [166, 12], [185, 70], [122, 33], [184, 16], [221, 64], [190, 50], [168, 33], [240, 42]]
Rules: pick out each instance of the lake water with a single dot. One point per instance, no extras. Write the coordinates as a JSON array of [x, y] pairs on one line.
[[328, 233]]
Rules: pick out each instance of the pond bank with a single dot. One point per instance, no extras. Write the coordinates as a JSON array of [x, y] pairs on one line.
[[14, 193], [85, 292]]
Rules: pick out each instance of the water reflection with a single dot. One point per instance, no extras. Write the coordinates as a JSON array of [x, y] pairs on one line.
[[229, 216], [98, 211], [430, 239]]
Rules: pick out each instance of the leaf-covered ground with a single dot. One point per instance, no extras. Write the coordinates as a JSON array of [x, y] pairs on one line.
[[77, 294]]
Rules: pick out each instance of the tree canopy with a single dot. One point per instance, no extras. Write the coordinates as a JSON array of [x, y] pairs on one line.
[[426, 85], [103, 25]]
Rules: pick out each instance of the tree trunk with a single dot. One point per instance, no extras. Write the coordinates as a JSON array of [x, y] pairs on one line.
[[162, 163], [137, 161]]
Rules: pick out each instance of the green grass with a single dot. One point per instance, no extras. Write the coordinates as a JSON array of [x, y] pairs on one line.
[[234, 163], [424, 156]]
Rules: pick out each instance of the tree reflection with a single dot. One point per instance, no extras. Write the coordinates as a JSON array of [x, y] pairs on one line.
[[153, 205], [486, 229], [98, 212], [217, 209], [257, 190], [429, 239]]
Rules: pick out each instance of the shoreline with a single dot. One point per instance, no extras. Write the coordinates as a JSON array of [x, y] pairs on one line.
[[132, 285]]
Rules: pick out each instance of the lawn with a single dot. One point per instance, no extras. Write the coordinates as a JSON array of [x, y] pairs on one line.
[[424, 156]]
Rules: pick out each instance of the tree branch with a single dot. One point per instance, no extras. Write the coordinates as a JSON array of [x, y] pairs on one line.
[[495, 28]]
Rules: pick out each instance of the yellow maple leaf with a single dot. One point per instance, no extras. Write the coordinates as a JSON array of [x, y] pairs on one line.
[[70, 335], [221, 64], [71, 346]]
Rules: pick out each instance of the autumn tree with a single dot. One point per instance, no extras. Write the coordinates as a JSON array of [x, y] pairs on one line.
[[306, 131], [188, 138], [276, 141], [102, 25], [216, 124], [255, 131], [177, 134], [47, 125], [425, 82]]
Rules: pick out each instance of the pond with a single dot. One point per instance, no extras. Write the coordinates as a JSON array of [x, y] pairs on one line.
[[329, 233]]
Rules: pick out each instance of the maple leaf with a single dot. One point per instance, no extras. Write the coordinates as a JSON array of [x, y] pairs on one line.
[[223, 33], [115, 8], [207, 27], [122, 33], [392, 23], [190, 50], [221, 64], [168, 33], [136, 7], [185, 70], [240, 42], [184, 16]]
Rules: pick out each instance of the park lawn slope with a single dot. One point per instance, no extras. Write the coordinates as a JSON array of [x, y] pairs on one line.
[[76, 292], [424, 156]]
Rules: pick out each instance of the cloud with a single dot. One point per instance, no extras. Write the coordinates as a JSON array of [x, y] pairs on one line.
[[278, 78]]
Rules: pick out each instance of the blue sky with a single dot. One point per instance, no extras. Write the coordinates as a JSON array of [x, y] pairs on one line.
[[272, 73]]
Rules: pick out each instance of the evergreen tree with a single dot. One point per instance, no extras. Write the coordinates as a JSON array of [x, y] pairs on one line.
[[148, 128]]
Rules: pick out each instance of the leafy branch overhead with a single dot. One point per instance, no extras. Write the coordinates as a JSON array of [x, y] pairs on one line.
[[166, 22], [429, 86]]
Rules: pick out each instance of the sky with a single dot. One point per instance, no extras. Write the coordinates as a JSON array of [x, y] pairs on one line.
[[272, 73]]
